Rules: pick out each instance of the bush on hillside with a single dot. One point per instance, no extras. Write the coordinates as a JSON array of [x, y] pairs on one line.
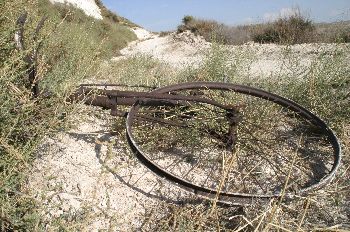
[[268, 35], [343, 37], [212, 30], [336, 32], [187, 19], [340, 35], [205, 28], [289, 30]]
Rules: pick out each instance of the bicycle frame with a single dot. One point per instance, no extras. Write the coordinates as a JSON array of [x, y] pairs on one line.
[[110, 99]]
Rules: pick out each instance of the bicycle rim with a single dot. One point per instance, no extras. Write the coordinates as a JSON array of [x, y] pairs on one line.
[[245, 144]]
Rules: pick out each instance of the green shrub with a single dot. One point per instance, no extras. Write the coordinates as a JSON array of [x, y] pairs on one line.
[[269, 35], [209, 29], [187, 19], [294, 29], [214, 31], [342, 37], [336, 32], [290, 30]]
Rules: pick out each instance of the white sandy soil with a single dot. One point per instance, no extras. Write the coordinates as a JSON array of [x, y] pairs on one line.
[[181, 50], [88, 6], [88, 169]]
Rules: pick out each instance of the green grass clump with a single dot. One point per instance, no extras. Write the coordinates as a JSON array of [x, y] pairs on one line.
[[109, 35], [74, 45]]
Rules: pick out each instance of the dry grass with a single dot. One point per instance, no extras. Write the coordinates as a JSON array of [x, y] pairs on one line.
[[324, 210], [323, 88]]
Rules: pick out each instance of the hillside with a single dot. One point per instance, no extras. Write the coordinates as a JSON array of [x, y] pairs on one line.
[[89, 7], [96, 9], [67, 166], [72, 45], [294, 29]]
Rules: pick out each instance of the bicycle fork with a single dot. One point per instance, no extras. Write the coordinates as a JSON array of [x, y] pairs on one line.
[[234, 117]]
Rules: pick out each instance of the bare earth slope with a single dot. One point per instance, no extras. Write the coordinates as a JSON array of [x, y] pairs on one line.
[[177, 50], [88, 6], [89, 171]]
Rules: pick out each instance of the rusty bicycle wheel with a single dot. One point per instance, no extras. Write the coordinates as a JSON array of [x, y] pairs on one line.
[[243, 144]]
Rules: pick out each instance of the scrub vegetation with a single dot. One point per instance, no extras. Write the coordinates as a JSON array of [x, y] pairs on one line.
[[293, 29], [73, 46], [76, 47]]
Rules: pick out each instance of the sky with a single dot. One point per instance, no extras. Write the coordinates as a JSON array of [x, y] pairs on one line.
[[165, 15]]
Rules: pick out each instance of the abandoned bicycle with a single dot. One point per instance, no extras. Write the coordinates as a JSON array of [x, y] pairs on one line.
[[222, 141]]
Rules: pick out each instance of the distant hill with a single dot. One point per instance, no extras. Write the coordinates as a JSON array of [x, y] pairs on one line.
[[289, 30]]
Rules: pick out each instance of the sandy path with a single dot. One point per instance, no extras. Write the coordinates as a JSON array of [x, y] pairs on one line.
[[89, 171], [176, 50]]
